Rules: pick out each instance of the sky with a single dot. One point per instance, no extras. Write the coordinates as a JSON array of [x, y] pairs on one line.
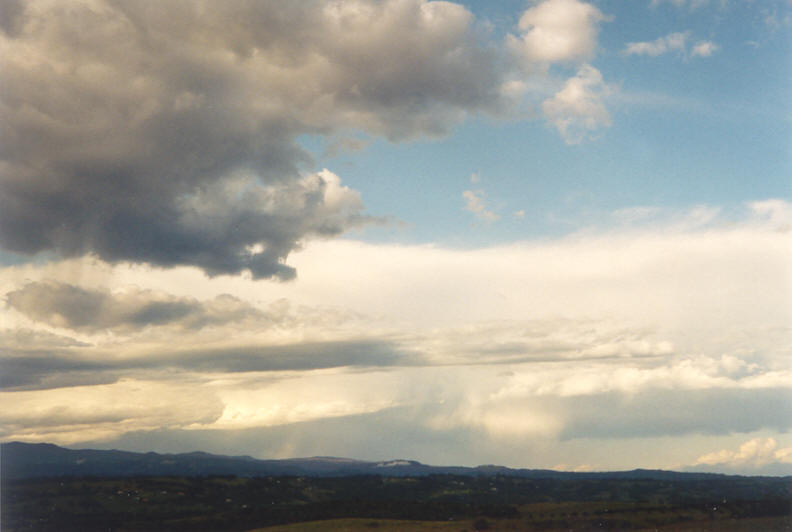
[[541, 234]]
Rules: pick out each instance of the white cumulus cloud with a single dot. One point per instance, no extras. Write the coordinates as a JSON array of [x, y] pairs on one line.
[[673, 42], [558, 31], [577, 111], [756, 452]]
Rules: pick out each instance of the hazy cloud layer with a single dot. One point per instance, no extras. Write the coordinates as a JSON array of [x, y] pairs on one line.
[[401, 435], [661, 325], [677, 412], [106, 410]]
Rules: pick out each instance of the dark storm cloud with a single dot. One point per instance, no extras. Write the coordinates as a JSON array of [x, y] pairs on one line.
[[65, 305], [165, 132]]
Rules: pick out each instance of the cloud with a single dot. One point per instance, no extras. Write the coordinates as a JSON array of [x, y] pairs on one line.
[[42, 369], [604, 271], [398, 436], [167, 134], [582, 398], [68, 306], [577, 110], [583, 468], [775, 19], [704, 49], [673, 42], [776, 212], [104, 411], [704, 411], [558, 31], [303, 356], [757, 452], [51, 369], [570, 339], [23, 339], [694, 4], [475, 203]]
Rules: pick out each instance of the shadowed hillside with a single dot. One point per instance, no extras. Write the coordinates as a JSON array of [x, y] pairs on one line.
[[135, 494]]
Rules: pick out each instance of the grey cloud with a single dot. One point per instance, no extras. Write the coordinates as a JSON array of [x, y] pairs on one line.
[[59, 417], [43, 369], [560, 340], [771, 469], [10, 14], [51, 370], [25, 339], [65, 305], [399, 433], [132, 407], [165, 133], [304, 356], [675, 412]]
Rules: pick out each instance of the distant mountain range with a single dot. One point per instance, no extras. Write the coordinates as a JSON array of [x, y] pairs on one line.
[[36, 460]]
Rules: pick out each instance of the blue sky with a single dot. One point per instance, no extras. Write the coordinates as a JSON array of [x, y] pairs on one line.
[[686, 131], [550, 233]]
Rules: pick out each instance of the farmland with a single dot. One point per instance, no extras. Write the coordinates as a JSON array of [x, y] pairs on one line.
[[434, 502]]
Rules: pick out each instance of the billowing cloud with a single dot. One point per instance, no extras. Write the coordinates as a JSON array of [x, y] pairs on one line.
[[558, 31], [577, 111], [166, 134], [756, 453]]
